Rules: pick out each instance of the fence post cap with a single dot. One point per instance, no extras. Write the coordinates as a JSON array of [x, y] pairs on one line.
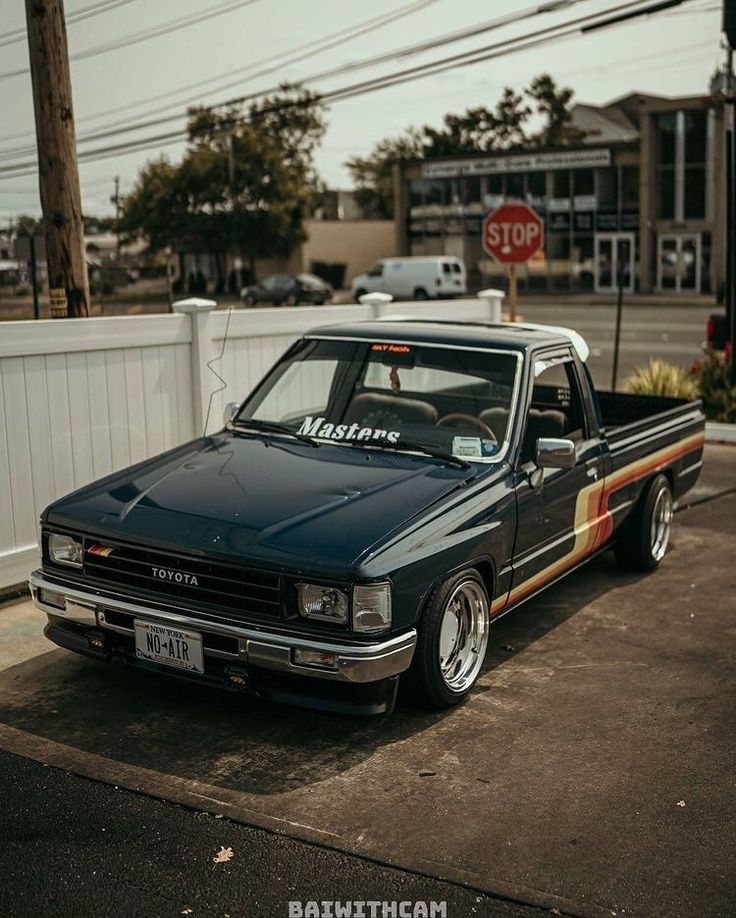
[[376, 299], [490, 293], [194, 304]]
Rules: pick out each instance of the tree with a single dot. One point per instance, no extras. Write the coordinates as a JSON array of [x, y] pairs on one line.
[[553, 105], [373, 174], [245, 184], [477, 130]]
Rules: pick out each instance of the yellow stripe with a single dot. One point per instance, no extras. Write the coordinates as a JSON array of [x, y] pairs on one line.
[[588, 519]]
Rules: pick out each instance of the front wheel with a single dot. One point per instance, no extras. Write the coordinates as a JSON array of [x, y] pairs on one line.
[[292, 299], [421, 294], [452, 642], [645, 536]]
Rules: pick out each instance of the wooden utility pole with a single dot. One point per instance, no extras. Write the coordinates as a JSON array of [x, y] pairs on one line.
[[58, 174]]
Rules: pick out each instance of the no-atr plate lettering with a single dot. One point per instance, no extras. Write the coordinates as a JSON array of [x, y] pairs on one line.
[[169, 646]]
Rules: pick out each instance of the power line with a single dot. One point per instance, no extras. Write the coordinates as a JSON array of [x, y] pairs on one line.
[[294, 55], [87, 12], [463, 59], [115, 129], [167, 28]]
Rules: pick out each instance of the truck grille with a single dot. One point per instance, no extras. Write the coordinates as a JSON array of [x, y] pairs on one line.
[[193, 580]]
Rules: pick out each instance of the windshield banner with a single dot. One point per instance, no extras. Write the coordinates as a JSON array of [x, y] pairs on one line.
[[322, 428]]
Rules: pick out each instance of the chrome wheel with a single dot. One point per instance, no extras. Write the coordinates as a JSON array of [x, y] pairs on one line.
[[463, 635], [661, 527]]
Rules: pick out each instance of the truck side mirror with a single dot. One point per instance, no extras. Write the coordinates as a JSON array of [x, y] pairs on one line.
[[552, 453], [229, 412]]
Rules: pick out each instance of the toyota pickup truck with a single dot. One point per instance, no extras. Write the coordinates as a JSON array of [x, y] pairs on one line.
[[386, 492]]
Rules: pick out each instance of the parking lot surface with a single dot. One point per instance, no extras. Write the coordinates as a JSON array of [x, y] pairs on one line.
[[590, 771]]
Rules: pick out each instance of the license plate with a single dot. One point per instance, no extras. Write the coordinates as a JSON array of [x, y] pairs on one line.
[[169, 646]]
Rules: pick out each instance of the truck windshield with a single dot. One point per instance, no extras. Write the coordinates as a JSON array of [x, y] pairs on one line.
[[382, 393]]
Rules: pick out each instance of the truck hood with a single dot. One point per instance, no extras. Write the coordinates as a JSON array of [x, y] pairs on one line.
[[239, 497]]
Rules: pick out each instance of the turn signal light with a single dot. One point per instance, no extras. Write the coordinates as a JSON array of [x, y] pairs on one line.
[[318, 658]]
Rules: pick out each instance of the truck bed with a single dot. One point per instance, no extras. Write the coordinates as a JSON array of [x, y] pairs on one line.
[[625, 415]]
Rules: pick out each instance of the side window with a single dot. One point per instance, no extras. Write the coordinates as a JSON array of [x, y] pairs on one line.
[[446, 267], [376, 270], [557, 408]]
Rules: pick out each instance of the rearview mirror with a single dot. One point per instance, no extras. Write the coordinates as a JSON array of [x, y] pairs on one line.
[[229, 412], [555, 454]]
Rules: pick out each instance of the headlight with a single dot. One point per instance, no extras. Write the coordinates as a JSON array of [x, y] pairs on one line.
[[64, 549], [326, 604], [372, 607]]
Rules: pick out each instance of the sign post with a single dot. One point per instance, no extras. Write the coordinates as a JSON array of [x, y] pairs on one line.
[[512, 234]]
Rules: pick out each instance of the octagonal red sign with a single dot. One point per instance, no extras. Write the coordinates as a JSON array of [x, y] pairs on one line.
[[513, 233]]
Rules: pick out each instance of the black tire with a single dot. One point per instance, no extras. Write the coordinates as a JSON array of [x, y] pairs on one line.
[[250, 300], [359, 293], [425, 683], [640, 545], [421, 294], [291, 299]]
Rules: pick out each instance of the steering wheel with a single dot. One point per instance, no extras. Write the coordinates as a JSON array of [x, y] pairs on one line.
[[458, 419]]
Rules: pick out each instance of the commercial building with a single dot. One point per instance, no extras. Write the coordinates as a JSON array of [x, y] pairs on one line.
[[641, 195]]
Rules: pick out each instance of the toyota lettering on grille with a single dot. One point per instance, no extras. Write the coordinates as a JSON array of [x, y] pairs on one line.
[[163, 573]]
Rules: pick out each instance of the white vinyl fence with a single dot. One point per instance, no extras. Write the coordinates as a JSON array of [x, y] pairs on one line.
[[81, 398]]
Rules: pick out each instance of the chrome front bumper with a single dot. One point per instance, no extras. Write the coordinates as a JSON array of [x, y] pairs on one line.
[[355, 663]]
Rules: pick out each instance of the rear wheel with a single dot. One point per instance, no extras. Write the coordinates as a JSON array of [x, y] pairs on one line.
[[359, 293], [421, 294], [291, 299], [249, 299], [645, 536], [452, 642]]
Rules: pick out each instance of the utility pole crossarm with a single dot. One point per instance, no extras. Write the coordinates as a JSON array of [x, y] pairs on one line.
[[58, 173]]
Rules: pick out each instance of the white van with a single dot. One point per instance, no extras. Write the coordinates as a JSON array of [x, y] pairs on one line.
[[419, 277]]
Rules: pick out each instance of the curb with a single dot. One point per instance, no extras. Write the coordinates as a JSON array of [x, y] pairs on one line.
[[720, 433]]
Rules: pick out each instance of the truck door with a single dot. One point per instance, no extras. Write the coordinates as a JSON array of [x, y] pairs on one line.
[[558, 509]]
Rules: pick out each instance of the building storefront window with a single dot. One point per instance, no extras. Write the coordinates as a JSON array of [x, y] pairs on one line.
[[681, 154]]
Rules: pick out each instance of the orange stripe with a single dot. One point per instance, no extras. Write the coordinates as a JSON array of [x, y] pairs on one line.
[[593, 523]]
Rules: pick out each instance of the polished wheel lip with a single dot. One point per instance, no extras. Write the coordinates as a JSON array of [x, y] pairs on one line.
[[661, 526], [463, 635]]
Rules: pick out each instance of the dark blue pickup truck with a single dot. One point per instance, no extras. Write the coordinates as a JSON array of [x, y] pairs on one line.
[[387, 491]]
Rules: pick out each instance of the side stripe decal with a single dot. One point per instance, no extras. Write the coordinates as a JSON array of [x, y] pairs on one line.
[[593, 520]]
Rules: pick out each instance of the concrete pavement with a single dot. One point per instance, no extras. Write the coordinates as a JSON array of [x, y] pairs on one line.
[[591, 770]]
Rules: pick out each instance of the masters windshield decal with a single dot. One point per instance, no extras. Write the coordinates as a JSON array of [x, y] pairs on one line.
[[326, 430]]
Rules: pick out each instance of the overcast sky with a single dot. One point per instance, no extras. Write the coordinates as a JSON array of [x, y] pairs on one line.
[[672, 53]]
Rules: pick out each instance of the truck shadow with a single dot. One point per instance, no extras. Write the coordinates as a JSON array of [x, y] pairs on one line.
[[240, 743]]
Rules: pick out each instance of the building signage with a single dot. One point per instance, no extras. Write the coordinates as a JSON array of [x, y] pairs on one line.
[[516, 162]]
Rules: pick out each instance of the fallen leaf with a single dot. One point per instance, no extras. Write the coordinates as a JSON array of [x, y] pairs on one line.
[[223, 855], [681, 803]]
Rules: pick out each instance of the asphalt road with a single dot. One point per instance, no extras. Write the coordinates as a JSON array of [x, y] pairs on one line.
[[672, 333], [75, 848]]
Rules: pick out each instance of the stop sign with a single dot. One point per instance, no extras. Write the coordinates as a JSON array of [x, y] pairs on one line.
[[512, 233]]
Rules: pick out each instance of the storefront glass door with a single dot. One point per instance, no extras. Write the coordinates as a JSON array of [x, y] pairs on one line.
[[678, 262], [614, 253]]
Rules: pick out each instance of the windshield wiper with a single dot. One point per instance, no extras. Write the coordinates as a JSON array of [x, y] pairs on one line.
[[273, 427], [413, 445]]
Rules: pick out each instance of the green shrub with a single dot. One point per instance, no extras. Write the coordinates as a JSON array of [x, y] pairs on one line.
[[660, 378], [715, 389]]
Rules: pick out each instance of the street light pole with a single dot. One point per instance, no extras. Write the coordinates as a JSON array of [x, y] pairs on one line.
[[729, 27]]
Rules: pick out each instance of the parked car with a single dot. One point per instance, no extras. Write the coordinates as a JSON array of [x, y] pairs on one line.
[[385, 493], [289, 290], [414, 278]]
